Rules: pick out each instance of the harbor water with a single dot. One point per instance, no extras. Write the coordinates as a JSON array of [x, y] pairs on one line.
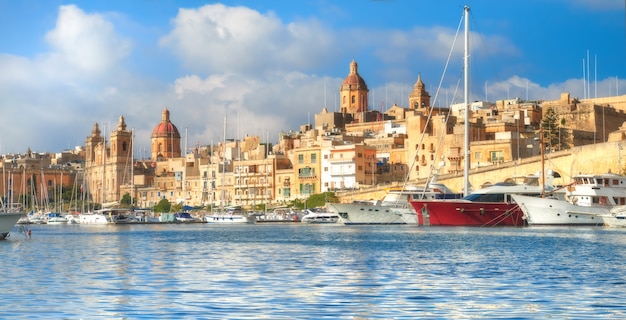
[[297, 271]]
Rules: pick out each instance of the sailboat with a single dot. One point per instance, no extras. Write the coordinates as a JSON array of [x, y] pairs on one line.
[[490, 206], [232, 214]]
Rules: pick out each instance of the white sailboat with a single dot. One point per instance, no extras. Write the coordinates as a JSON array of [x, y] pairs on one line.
[[227, 215]]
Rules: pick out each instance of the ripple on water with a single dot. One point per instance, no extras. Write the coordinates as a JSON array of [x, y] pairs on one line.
[[311, 272]]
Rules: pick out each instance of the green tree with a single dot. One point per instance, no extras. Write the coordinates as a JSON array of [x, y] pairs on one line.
[[163, 206], [177, 207], [555, 135], [125, 201], [320, 199]]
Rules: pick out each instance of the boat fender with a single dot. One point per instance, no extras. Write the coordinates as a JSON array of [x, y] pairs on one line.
[[482, 211]]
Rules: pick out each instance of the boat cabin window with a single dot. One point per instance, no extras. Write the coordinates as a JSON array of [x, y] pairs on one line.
[[486, 197]]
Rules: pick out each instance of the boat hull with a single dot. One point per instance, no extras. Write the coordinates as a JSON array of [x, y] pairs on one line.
[[553, 212], [229, 219], [355, 214], [7, 222], [467, 213], [93, 218]]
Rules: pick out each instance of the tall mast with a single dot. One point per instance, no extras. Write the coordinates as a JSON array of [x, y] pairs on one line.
[[224, 165], [104, 142], [132, 166], [466, 102]]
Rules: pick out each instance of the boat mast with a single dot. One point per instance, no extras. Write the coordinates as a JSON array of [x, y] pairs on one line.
[[224, 165], [466, 102], [132, 167], [543, 173]]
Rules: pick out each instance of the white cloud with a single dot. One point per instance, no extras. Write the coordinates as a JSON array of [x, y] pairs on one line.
[[216, 38], [86, 42], [253, 66]]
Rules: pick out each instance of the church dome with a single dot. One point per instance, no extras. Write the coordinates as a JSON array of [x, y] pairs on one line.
[[166, 128], [354, 80]]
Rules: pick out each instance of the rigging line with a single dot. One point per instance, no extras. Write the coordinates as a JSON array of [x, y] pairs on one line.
[[483, 44], [441, 137], [432, 104]]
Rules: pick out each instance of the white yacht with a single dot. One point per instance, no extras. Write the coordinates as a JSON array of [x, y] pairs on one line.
[[616, 217], [395, 207], [586, 202], [106, 216], [320, 216], [230, 215], [7, 221], [55, 218]]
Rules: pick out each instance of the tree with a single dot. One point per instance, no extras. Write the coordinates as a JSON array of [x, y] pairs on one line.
[[320, 199], [125, 200], [555, 136], [163, 206]]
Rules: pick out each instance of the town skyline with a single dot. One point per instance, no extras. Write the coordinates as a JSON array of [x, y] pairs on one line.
[[92, 63]]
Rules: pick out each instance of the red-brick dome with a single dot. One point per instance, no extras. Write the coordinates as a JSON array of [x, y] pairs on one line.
[[353, 79], [166, 128]]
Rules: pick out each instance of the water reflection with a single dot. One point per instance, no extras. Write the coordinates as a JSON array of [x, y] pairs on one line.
[[301, 271]]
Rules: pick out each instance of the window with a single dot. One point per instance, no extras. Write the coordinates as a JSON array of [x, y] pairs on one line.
[[300, 158], [313, 157], [478, 155], [325, 169], [496, 156], [353, 99], [325, 156], [360, 155]]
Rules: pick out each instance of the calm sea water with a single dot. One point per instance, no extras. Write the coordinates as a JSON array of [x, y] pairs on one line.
[[294, 271]]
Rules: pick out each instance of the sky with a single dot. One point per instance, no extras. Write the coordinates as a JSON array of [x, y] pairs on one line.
[[270, 66]]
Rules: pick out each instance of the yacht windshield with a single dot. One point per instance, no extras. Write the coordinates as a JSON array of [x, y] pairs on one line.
[[485, 197]]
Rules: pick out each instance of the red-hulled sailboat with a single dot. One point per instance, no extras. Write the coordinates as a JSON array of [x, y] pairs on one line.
[[489, 206]]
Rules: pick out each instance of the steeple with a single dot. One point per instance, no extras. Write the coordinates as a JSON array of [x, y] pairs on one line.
[[419, 97]]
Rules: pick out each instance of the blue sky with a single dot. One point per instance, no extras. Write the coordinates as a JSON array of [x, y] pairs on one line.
[[271, 65]]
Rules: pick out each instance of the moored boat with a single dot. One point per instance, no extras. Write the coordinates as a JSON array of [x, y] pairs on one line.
[[230, 215], [616, 217], [587, 202], [7, 221], [395, 207], [320, 216], [489, 206], [109, 216], [185, 217], [55, 218]]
